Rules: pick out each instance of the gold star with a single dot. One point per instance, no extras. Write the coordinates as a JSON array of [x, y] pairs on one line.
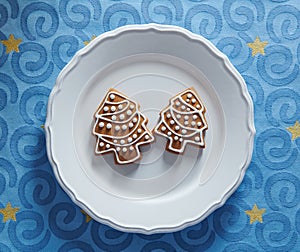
[[11, 44], [9, 212], [255, 214], [258, 46], [88, 41], [87, 217], [295, 130]]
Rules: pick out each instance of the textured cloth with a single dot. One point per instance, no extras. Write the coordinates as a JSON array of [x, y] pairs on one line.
[[260, 37]]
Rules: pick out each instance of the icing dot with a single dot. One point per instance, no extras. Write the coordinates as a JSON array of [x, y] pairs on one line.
[[178, 116], [183, 107], [131, 148], [101, 144], [197, 106], [199, 124], [115, 141], [129, 112], [194, 100], [188, 109], [177, 127], [134, 136], [176, 138], [108, 126], [129, 139], [180, 139], [120, 106], [172, 122], [101, 124], [163, 128], [117, 128], [186, 117], [169, 133], [107, 146], [168, 115], [113, 118], [177, 103], [134, 120], [131, 106], [183, 131], [193, 123], [187, 100], [112, 96], [113, 108], [118, 148], [124, 149], [189, 95], [122, 141], [186, 123], [146, 137], [122, 116], [105, 108], [197, 139], [194, 117], [124, 127], [130, 125], [139, 130]]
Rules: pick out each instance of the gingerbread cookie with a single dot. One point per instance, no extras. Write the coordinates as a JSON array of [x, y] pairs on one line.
[[183, 121], [120, 128]]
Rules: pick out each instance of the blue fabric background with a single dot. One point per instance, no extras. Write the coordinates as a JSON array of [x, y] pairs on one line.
[[52, 32]]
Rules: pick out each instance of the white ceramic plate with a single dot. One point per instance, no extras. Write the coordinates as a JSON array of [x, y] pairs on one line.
[[164, 192]]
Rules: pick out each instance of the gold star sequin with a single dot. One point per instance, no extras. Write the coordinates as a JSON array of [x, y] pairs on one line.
[[295, 130], [9, 213], [88, 41], [255, 214], [87, 217], [258, 46], [11, 44]]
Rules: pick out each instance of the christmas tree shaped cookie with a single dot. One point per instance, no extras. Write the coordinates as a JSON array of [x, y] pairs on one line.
[[183, 121], [120, 128]]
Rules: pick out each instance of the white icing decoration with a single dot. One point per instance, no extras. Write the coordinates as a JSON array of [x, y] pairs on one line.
[[183, 131], [197, 106], [172, 122], [122, 116], [186, 123], [183, 107], [112, 96], [147, 137], [187, 100], [135, 120], [168, 115], [118, 148], [122, 141], [193, 100], [124, 127], [101, 124], [134, 136], [163, 128], [139, 130], [101, 144], [186, 117], [177, 103], [199, 124], [108, 126], [115, 141], [169, 133], [113, 108], [113, 118], [130, 125], [175, 138], [131, 106], [124, 149], [107, 146], [178, 116], [105, 108], [117, 128], [193, 123], [195, 117], [129, 112], [189, 95], [188, 109], [197, 139], [180, 139], [129, 139], [177, 127], [131, 148], [120, 106]]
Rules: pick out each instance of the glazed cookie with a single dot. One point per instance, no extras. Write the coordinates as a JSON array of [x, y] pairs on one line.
[[120, 128], [183, 121]]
